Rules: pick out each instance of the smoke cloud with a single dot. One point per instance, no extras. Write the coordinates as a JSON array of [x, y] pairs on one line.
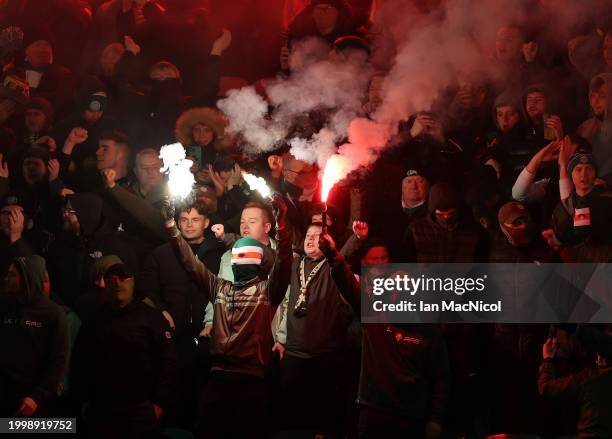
[[423, 49]]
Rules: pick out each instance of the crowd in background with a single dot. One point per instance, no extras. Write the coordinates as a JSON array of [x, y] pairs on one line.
[[230, 315]]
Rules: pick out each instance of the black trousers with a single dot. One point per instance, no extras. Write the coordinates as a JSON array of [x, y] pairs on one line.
[[312, 390], [233, 406]]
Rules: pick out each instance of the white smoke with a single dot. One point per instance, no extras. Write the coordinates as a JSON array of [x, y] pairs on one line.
[[423, 51], [318, 83]]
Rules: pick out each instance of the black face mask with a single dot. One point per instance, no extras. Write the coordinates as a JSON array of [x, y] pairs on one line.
[[289, 188], [166, 89]]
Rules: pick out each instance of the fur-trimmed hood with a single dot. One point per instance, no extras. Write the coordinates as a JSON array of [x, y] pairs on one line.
[[208, 116]]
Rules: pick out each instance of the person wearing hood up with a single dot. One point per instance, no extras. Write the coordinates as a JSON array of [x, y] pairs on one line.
[[156, 111], [34, 336], [124, 363], [86, 237], [241, 336], [326, 19], [444, 235], [519, 240]]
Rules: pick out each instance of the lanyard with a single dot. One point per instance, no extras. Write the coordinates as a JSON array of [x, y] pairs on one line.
[[305, 281]]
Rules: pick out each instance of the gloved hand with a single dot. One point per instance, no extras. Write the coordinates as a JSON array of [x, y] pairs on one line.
[[327, 246], [167, 212]]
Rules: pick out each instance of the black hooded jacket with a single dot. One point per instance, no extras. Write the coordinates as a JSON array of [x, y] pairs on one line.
[[71, 257], [34, 339]]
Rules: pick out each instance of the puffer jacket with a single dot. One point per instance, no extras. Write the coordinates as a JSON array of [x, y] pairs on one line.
[[242, 338]]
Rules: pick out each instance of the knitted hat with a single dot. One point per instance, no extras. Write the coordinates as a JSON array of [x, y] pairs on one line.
[[247, 255], [580, 159]]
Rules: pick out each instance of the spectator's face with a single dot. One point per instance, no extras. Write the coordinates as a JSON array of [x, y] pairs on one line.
[[39, 53], [607, 51], [91, 117], [35, 120], [311, 242], [414, 190], [508, 45], [253, 224], [11, 282], [192, 225], [325, 17], [583, 177], [300, 173], [599, 100], [107, 154], [34, 170], [71, 220], [147, 170], [318, 218], [121, 288], [507, 118], [376, 256], [536, 105], [202, 134]]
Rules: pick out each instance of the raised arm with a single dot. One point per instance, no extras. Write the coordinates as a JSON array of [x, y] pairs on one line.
[[204, 278], [347, 283], [280, 274]]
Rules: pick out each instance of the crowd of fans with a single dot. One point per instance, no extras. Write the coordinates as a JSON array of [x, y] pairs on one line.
[[231, 316]]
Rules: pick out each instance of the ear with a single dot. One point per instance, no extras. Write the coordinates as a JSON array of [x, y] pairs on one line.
[[206, 223], [267, 227]]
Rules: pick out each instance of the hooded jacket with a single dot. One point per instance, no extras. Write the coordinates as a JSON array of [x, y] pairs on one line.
[[34, 336], [428, 241], [71, 257]]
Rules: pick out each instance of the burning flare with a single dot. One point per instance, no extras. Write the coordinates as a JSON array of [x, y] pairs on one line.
[[257, 184], [180, 178], [336, 168]]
